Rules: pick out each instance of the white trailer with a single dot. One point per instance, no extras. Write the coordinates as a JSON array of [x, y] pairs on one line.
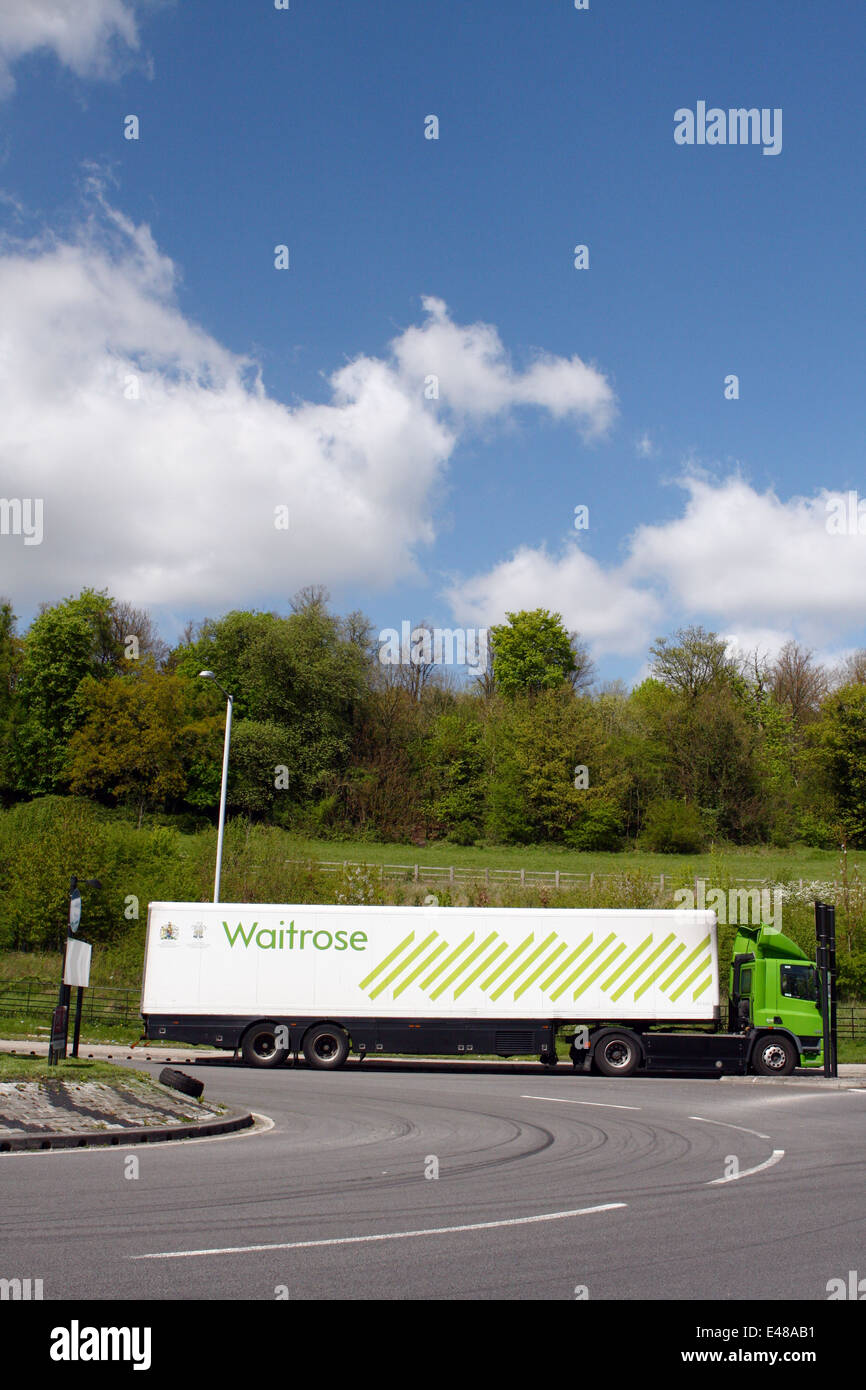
[[277, 980]]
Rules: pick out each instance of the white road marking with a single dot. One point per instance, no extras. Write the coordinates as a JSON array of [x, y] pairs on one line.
[[387, 1235], [705, 1121], [747, 1172], [602, 1105]]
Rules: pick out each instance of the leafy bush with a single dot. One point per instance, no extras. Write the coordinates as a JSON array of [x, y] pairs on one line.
[[851, 976], [672, 827], [817, 832], [599, 829]]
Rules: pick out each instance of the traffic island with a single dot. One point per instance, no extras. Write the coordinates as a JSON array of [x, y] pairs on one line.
[[81, 1104]]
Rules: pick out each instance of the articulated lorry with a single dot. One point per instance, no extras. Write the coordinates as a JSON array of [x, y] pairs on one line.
[[641, 988]]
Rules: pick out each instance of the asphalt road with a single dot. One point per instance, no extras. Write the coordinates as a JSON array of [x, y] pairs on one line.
[[707, 1189]]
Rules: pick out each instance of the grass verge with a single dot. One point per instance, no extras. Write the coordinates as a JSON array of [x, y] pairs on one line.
[[72, 1070]]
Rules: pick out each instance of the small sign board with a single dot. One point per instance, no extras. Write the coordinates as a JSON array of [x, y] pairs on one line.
[[77, 968], [74, 910]]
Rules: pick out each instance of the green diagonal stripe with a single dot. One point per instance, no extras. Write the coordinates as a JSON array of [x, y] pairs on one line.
[[428, 960], [480, 969], [593, 955], [644, 966], [685, 984], [387, 961], [564, 964], [540, 970], [660, 970], [398, 969], [624, 965], [700, 989], [463, 964], [585, 984], [485, 984], [448, 959], [524, 965], [684, 964]]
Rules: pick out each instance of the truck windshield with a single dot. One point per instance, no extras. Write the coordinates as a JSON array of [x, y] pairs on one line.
[[800, 982]]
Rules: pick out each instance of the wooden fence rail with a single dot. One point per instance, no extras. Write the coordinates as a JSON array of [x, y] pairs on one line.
[[454, 874]]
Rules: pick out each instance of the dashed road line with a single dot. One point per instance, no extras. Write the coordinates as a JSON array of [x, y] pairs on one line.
[[747, 1172], [705, 1121], [386, 1235], [600, 1104]]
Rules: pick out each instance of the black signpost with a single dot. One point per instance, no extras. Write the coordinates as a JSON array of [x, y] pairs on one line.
[[60, 1016], [825, 933]]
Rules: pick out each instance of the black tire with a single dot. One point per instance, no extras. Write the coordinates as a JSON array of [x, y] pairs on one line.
[[548, 1059], [774, 1055], [326, 1046], [617, 1054], [179, 1081], [259, 1047]]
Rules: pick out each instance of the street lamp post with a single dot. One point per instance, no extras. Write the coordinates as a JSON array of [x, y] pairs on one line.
[[209, 676]]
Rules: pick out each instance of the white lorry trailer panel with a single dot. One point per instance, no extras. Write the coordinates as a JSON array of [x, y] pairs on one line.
[[266, 960]]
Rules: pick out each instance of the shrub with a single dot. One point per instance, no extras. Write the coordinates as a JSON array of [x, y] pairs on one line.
[[599, 829], [672, 827]]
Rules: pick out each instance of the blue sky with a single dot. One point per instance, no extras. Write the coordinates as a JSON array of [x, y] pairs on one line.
[[155, 258]]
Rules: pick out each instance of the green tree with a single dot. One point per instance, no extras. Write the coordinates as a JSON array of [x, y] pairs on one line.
[[63, 645], [138, 736], [223, 646], [453, 773], [533, 651], [534, 745], [260, 750], [691, 662], [840, 739], [11, 707]]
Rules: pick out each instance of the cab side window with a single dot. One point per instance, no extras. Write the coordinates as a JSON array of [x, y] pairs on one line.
[[799, 982]]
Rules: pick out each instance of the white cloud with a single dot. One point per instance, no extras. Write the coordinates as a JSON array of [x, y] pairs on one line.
[[752, 560], [169, 499], [89, 36], [756, 568], [613, 614], [477, 379]]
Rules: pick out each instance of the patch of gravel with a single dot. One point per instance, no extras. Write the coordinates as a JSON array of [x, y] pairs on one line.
[[81, 1107]]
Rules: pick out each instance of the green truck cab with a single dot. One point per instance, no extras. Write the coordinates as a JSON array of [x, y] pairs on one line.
[[775, 998]]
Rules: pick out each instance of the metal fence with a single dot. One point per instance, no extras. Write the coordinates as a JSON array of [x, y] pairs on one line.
[[102, 1003]]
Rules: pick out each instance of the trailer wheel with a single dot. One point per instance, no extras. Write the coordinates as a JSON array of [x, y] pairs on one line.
[[774, 1055], [616, 1054], [326, 1046], [260, 1049], [548, 1059]]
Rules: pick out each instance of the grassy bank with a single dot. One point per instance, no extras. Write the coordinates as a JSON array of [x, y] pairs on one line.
[[732, 862], [69, 1071]]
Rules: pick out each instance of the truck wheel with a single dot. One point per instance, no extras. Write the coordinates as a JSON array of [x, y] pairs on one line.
[[774, 1055], [326, 1046], [259, 1048], [548, 1059], [616, 1054]]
